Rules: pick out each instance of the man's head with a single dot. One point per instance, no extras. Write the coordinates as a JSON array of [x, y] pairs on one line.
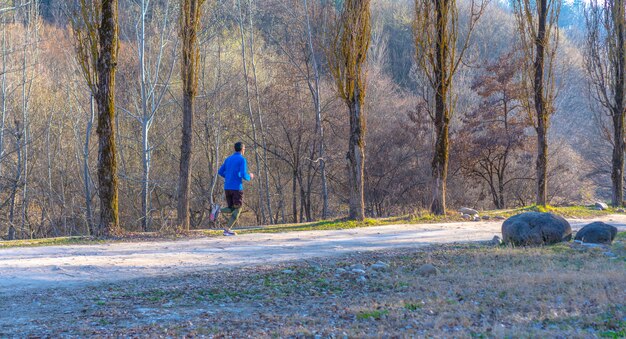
[[240, 147]]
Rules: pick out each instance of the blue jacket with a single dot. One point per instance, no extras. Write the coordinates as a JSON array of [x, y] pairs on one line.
[[234, 171]]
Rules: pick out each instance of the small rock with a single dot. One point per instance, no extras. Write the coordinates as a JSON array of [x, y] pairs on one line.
[[496, 241], [358, 267], [499, 217], [340, 271], [476, 218], [316, 266], [601, 206], [361, 279], [466, 216], [486, 217], [358, 271], [468, 211], [621, 210], [427, 270], [288, 272], [380, 266]]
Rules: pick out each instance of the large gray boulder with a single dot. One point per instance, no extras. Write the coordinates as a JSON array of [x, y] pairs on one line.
[[597, 233], [534, 228]]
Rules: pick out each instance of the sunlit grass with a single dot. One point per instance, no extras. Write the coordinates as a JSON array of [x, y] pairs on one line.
[[418, 217], [51, 242], [564, 211]]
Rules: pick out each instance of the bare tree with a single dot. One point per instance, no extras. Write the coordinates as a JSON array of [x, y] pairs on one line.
[[189, 27], [605, 61], [314, 88], [253, 124], [436, 31], [154, 78], [493, 134], [537, 25], [347, 58]]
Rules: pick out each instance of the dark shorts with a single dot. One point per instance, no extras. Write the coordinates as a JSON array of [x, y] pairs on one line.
[[234, 198]]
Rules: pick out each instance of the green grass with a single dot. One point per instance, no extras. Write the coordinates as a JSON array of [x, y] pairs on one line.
[[412, 307], [581, 212], [419, 217], [51, 242], [375, 314]]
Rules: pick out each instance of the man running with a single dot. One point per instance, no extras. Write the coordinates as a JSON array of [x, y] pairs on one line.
[[234, 171]]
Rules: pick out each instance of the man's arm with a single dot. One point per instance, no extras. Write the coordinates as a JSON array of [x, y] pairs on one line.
[[244, 171], [222, 170]]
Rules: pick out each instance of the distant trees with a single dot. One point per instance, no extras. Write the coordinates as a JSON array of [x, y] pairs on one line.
[[537, 25], [347, 61], [156, 60], [605, 61], [493, 133], [436, 33], [189, 27], [48, 144]]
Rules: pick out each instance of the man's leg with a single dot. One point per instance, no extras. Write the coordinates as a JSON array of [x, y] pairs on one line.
[[234, 216], [236, 197], [229, 209]]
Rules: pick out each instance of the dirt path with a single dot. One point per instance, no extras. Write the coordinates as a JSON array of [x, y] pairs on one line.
[[60, 266]]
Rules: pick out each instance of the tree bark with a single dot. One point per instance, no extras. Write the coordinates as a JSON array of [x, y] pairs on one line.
[[540, 106], [190, 17], [356, 157], [105, 98], [442, 114], [617, 172]]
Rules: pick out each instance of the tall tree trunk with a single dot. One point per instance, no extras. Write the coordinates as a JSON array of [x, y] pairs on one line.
[[294, 196], [540, 106], [145, 180], [190, 17], [3, 95], [105, 98], [442, 115], [356, 157], [617, 173], [184, 181], [86, 175], [268, 200], [315, 90], [250, 112], [347, 65]]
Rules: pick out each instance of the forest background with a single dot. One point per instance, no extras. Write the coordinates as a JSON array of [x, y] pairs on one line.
[[258, 61]]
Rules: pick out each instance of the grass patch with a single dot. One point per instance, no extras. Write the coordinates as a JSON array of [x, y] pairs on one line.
[[581, 212], [51, 242], [419, 217], [412, 307], [480, 291], [375, 314]]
